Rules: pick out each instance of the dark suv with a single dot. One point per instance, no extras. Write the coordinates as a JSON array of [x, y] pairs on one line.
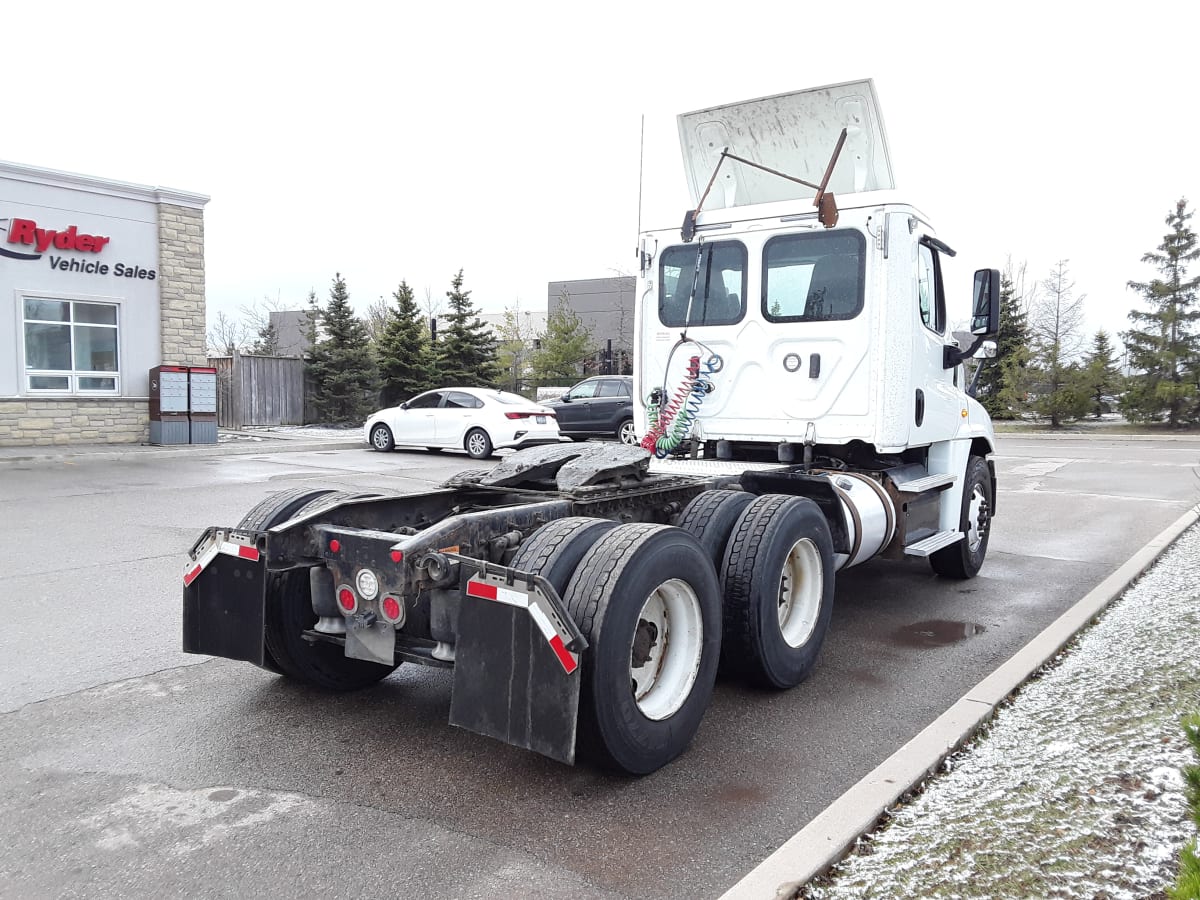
[[597, 407]]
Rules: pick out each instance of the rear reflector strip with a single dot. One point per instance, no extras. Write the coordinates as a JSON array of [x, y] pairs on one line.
[[523, 600], [217, 543]]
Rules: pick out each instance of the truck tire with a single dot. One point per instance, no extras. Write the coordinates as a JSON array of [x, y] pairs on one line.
[[555, 549], [647, 599], [289, 612], [710, 518], [269, 512], [964, 559], [280, 655], [279, 507], [778, 582]]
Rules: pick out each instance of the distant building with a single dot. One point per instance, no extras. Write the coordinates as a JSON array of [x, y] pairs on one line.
[[291, 332], [605, 305]]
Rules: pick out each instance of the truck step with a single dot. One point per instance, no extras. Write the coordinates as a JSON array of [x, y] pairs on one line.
[[928, 483], [933, 543]]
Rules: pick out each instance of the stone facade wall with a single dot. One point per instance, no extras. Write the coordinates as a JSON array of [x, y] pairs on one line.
[[49, 421], [181, 284]]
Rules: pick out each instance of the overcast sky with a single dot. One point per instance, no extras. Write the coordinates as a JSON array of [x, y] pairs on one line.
[[503, 138]]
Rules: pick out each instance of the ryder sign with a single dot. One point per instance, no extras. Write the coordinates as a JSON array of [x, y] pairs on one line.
[[25, 233]]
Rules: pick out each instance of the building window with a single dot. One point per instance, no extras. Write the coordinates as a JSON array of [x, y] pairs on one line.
[[71, 346]]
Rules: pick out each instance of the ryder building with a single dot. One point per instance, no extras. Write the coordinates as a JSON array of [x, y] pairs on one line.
[[99, 282]]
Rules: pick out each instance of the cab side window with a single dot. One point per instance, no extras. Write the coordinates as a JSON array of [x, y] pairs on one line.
[[930, 300]]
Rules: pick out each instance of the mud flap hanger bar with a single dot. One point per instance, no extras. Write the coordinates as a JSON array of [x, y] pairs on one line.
[[219, 540], [542, 596]]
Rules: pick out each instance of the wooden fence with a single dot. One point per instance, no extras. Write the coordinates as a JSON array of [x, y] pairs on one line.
[[259, 390]]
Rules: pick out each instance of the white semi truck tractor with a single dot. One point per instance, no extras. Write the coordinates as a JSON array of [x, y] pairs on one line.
[[804, 409]]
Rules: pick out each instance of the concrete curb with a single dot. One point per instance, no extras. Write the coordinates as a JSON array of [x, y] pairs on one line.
[[827, 838]]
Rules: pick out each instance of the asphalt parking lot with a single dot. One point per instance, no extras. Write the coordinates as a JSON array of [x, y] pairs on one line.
[[133, 769]]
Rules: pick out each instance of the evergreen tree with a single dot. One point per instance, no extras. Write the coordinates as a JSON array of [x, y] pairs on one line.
[[1057, 317], [1102, 375], [465, 351], [267, 342], [1004, 381], [566, 344], [339, 364], [1165, 352], [403, 352]]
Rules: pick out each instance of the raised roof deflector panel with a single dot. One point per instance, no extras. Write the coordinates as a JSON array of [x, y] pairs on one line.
[[793, 133]]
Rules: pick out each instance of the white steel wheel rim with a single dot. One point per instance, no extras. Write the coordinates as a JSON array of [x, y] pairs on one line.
[[628, 435], [666, 649], [475, 443], [379, 436], [801, 587], [976, 518]]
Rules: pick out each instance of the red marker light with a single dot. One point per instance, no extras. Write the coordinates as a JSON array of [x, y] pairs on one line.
[[347, 600], [397, 556], [391, 608], [335, 545]]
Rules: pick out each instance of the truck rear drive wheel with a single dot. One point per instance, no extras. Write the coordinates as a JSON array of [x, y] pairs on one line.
[[710, 518], [289, 613], [964, 558], [276, 508], [778, 581], [289, 609], [555, 549], [647, 599]]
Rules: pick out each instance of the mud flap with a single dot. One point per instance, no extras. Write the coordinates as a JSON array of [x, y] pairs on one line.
[[223, 609], [510, 683]]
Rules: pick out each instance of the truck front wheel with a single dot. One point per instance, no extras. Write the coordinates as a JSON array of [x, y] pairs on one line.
[[964, 558], [647, 599], [778, 581]]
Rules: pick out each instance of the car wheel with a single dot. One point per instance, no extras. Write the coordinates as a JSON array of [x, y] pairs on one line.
[[381, 438], [477, 444], [626, 433]]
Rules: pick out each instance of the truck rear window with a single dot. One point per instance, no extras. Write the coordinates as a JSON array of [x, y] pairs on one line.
[[720, 284], [813, 277]]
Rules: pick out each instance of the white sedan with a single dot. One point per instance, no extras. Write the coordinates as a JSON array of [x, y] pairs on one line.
[[478, 420]]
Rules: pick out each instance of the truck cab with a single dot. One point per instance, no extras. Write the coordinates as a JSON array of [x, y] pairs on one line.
[[819, 325]]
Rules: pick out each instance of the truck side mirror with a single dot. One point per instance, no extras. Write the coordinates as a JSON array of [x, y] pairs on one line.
[[985, 317], [985, 304]]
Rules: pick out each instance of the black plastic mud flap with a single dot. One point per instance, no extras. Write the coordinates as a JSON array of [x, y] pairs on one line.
[[510, 681], [223, 609]]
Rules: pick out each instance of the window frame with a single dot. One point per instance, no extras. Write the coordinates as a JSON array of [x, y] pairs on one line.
[[802, 236], [712, 245], [74, 376], [938, 300]]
